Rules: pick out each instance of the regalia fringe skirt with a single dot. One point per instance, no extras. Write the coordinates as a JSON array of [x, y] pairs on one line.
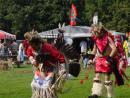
[[42, 89]]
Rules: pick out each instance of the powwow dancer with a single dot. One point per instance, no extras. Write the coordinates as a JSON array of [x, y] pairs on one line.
[[52, 59], [121, 57], [104, 51]]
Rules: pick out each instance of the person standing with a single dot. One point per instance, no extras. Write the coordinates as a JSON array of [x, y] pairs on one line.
[[103, 52], [1, 49], [21, 54], [83, 50]]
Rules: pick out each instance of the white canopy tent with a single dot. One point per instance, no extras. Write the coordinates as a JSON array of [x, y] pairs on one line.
[[70, 31], [73, 32], [116, 33]]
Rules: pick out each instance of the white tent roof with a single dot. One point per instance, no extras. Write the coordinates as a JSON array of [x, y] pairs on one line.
[[73, 32], [70, 31], [116, 33]]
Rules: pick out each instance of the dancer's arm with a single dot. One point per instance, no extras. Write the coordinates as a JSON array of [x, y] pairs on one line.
[[92, 55], [113, 47]]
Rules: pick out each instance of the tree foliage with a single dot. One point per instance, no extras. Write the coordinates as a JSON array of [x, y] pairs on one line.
[[20, 16], [114, 14]]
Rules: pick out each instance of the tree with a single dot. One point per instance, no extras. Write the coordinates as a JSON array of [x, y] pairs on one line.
[[112, 13], [21, 15]]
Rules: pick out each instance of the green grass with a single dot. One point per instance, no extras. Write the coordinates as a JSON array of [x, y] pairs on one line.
[[15, 83]]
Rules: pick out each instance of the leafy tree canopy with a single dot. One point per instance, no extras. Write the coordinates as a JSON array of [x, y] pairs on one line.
[[20, 16]]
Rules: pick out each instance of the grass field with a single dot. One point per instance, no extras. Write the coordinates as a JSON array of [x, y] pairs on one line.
[[15, 83]]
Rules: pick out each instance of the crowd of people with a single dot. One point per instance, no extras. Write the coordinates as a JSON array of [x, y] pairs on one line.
[[8, 47], [8, 50]]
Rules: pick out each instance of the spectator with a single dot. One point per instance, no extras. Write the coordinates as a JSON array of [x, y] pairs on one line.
[[14, 47], [21, 54], [1, 49], [83, 47]]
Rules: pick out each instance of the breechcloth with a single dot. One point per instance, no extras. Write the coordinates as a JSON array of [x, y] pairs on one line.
[[102, 66]]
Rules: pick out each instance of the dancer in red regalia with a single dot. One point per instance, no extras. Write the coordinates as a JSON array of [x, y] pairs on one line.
[[121, 56], [103, 53], [47, 60]]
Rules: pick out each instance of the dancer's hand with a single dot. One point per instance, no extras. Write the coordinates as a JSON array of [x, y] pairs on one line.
[[110, 60], [90, 62], [32, 61], [107, 63]]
